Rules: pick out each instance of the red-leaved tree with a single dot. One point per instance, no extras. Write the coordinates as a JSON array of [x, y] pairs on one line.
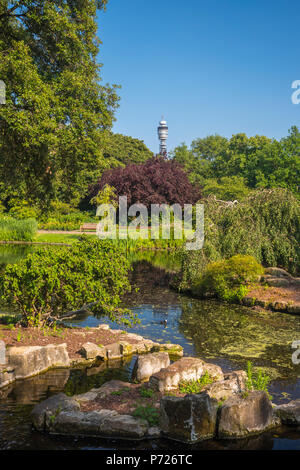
[[157, 181]]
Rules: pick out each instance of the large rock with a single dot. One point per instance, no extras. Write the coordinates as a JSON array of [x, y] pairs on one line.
[[233, 383], [143, 347], [92, 351], [290, 413], [244, 416], [32, 360], [278, 281], [43, 414], [190, 419], [2, 353], [126, 348], [103, 423], [113, 351], [61, 415], [187, 368], [150, 364], [172, 349], [278, 272]]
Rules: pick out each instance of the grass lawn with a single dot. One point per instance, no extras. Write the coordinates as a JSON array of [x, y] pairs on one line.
[[58, 237]]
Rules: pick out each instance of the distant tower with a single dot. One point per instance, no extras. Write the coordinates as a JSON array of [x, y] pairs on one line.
[[163, 132]]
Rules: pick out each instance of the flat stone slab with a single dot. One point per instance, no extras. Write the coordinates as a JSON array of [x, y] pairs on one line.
[[242, 416], [289, 414], [150, 364], [187, 368], [61, 415], [92, 351], [32, 360], [172, 349]]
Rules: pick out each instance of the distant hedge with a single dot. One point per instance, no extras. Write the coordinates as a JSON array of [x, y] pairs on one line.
[[265, 225], [17, 230]]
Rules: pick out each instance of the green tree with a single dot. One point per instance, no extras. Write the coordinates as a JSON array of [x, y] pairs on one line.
[[107, 195], [226, 188], [258, 161], [119, 150], [57, 113]]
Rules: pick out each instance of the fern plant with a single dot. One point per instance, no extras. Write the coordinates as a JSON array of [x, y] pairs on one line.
[[259, 381]]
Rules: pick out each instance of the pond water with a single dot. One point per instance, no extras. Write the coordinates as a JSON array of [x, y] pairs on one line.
[[224, 334]]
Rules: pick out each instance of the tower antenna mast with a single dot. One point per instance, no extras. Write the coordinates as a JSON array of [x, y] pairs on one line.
[[163, 132]]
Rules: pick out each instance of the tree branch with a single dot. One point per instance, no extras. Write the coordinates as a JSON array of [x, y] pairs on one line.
[[9, 13]]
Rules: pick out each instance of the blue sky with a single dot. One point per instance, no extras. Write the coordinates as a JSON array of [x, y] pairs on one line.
[[211, 66]]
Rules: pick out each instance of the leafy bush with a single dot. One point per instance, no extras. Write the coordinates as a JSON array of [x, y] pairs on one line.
[[66, 222], [147, 392], [258, 381], [266, 225], [63, 216], [49, 283], [226, 188], [21, 209], [227, 279], [195, 386], [148, 413], [17, 230]]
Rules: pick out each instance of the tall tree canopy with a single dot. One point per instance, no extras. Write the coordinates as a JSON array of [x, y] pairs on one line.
[[256, 162], [57, 112], [119, 150]]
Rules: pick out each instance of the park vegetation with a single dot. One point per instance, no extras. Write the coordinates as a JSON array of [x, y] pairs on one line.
[[59, 159], [157, 181], [55, 128], [266, 226], [50, 283], [229, 279], [230, 168], [17, 230]]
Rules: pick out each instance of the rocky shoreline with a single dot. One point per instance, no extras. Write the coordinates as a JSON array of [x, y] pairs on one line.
[[277, 290], [224, 409], [21, 362]]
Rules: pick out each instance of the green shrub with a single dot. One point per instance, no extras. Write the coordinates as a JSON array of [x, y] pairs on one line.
[[195, 386], [258, 381], [17, 230], [265, 225], [147, 392], [21, 209], [228, 279], [63, 216], [71, 221], [49, 283], [148, 413]]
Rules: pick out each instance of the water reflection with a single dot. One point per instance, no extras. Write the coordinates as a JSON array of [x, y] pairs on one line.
[[225, 334]]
